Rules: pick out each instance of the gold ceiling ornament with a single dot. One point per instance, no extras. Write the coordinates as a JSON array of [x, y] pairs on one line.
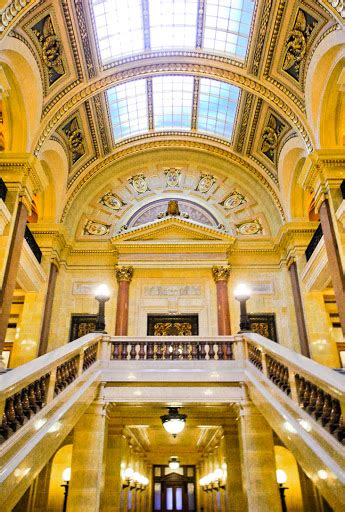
[[270, 137], [139, 183], [124, 273], [51, 48], [96, 228], [221, 273], [172, 177], [296, 43], [206, 181], [112, 201], [252, 227], [234, 200], [75, 139]]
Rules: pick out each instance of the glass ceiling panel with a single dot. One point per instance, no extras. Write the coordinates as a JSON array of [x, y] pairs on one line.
[[227, 26], [128, 108], [172, 102], [173, 23], [217, 107], [119, 26]]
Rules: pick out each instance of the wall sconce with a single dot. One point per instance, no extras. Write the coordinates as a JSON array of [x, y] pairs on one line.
[[242, 294], [282, 479], [102, 296], [212, 481], [66, 476], [134, 480]]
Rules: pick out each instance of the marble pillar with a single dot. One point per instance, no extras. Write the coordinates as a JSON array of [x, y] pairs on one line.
[[87, 468], [11, 269], [334, 259], [112, 494], [309, 494], [48, 307], [221, 277], [234, 489], [42, 489], [301, 325], [258, 461], [124, 276]]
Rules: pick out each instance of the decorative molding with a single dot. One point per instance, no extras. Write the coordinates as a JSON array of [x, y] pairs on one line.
[[139, 183], [124, 273], [243, 124], [172, 177], [234, 200], [96, 228], [9, 14], [75, 139], [259, 44], [206, 182], [270, 137], [252, 227], [112, 201], [338, 5], [102, 126], [172, 291], [84, 35]]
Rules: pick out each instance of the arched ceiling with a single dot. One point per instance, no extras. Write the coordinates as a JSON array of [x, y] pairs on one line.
[[121, 78]]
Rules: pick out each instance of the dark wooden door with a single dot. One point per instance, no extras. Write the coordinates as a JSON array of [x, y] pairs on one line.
[[174, 493]]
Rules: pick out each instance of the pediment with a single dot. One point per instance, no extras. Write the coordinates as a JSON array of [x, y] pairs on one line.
[[173, 229]]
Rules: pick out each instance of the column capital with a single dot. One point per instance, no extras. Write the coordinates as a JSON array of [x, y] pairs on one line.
[[221, 273], [322, 170], [124, 273]]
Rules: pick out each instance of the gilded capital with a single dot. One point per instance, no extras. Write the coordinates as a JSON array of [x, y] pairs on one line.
[[124, 273], [220, 273]]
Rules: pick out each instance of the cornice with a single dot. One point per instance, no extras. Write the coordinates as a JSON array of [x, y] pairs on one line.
[[320, 168], [116, 156], [72, 100], [23, 168]]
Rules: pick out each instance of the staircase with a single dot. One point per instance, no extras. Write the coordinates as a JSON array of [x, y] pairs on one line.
[[41, 401]]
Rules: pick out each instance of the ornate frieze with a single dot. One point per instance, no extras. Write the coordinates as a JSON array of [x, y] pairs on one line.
[[234, 200], [172, 291], [271, 137], [220, 273], [51, 48], [297, 42], [75, 139], [172, 177], [112, 201], [102, 129], [79, 9], [206, 181], [96, 228], [139, 183], [252, 227], [124, 273]]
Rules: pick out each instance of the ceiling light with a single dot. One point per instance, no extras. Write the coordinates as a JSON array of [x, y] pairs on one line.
[[173, 422], [174, 463]]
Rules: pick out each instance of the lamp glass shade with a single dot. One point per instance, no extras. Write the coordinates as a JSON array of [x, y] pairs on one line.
[[174, 426], [218, 474], [128, 473], [66, 474], [102, 291], [281, 476], [242, 291], [174, 463]]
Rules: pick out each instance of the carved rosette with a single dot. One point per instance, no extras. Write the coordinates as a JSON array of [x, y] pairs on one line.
[[124, 274], [220, 273]]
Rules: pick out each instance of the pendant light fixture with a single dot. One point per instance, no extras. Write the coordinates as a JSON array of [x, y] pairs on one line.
[[174, 462], [173, 422]]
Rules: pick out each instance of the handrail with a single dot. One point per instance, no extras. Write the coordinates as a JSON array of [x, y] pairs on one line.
[[317, 390], [25, 390]]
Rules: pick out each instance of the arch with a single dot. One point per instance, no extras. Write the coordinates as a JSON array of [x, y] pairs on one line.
[[292, 195], [25, 95], [286, 461], [119, 170], [326, 62], [61, 460]]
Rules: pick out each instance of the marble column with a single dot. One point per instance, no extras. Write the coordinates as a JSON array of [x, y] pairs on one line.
[[334, 258], [112, 493], [232, 457], [11, 270], [309, 494], [297, 297], [221, 277], [42, 489], [48, 307], [87, 467], [124, 276], [258, 461]]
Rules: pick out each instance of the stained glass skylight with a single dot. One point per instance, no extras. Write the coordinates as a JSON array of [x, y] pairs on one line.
[[217, 107], [172, 102], [227, 26], [173, 23], [128, 108], [119, 26], [126, 27]]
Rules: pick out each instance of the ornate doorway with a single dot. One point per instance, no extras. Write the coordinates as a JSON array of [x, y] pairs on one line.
[[174, 490], [174, 493], [166, 325]]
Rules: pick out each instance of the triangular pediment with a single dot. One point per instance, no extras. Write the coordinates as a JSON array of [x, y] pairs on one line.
[[173, 229]]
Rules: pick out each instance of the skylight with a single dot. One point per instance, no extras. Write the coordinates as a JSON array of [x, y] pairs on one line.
[[128, 108], [127, 27], [217, 107], [172, 102], [173, 23]]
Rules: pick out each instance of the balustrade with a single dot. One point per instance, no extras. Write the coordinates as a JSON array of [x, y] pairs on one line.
[[175, 349]]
